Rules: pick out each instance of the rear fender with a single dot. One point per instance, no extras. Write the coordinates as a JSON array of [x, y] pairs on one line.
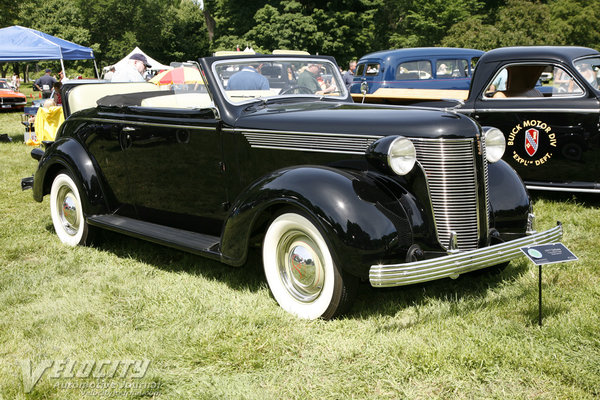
[[67, 153]]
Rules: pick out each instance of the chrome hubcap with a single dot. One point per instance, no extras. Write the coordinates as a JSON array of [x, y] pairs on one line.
[[300, 266], [67, 210]]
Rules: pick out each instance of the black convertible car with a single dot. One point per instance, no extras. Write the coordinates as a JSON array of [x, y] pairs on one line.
[[333, 191]]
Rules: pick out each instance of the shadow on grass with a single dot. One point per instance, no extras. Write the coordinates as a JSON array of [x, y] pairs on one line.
[[548, 311], [18, 138], [247, 277], [370, 301], [467, 292]]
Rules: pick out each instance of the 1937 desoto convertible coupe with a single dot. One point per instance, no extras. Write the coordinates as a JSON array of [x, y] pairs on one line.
[[334, 191]]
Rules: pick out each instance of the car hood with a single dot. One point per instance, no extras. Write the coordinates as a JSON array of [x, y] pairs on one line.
[[360, 119], [11, 93]]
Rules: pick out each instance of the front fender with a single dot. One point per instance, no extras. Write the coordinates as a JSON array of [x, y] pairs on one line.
[[509, 201], [68, 153], [362, 222]]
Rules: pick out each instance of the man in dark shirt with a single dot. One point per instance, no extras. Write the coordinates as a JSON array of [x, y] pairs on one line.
[[44, 84], [349, 75]]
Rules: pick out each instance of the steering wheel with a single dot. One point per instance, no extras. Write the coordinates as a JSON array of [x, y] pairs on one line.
[[297, 90]]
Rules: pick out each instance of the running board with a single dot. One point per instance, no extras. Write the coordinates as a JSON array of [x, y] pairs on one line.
[[192, 242]]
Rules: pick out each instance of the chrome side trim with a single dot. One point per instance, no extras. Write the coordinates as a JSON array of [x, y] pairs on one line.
[[562, 189], [530, 110], [309, 141], [453, 265], [129, 122]]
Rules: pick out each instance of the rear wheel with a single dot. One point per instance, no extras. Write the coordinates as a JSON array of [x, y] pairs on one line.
[[67, 211], [301, 272]]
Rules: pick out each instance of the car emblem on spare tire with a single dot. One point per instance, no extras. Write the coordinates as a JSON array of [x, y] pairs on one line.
[[531, 141]]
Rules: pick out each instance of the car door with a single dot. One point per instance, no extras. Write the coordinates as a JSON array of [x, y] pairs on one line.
[[106, 144], [551, 131], [175, 166]]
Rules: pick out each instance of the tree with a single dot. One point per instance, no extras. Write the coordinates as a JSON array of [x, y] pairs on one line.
[[517, 23], [577, 20]]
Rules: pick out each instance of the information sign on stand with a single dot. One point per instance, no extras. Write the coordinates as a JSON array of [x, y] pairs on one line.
[[547, 254]]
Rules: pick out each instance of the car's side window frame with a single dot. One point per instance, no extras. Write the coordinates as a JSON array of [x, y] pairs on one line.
[[399, 71], [372, 69], [486, 97], [452, 61], [360, 69]]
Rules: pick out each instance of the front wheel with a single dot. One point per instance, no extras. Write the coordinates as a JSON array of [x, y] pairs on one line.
[[301, 272], [67, 211]]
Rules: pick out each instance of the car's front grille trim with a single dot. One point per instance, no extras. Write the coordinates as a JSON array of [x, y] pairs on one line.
[[450, 167], [12, 100], [309, 141]]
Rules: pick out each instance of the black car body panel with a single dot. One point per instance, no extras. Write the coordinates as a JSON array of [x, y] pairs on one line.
[[212, 178]]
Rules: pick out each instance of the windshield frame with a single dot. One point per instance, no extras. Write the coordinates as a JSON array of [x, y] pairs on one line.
[[335, 73]]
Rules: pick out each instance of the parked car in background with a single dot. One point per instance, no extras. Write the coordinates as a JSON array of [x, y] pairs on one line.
[[552, 131], [10, 99], [415, 68], [333, 192]]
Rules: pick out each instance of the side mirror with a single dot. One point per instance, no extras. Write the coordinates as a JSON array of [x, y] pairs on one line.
[[364, 89]]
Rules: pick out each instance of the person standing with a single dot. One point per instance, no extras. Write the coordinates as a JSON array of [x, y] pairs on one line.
[[309, 79], [56, 95], [133, 70], [349, 75], [108, 75], [15, 82], [45, 83], [248, 78]]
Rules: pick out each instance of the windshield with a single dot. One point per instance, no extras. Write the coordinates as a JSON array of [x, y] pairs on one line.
[[247, 79], [589, 68], [4, 85]]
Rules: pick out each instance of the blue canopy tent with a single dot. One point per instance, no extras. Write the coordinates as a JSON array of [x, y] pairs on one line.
[[24, 44]]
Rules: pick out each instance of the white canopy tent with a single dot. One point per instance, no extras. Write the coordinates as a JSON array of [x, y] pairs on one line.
[[156, 66]]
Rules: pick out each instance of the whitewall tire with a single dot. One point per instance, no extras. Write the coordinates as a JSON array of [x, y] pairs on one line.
[[67, 211], [301, 272]]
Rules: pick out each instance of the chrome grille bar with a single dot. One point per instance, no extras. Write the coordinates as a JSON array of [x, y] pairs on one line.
[[452, 179], [487, 182]]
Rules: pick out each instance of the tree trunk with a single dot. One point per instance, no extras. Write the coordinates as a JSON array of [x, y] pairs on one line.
[[210, 24]]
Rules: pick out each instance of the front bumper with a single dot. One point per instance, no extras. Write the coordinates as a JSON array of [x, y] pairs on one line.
[[452, 265]]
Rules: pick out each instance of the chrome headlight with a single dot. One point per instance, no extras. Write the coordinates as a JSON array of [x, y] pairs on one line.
[[402, 156], [495, 144]]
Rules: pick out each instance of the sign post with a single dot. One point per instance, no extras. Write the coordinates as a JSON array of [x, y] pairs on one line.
[[547, 254]]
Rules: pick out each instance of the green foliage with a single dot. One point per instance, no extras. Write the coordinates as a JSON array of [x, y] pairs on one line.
[[56, 17], [577, 20], [213, 332], [10, 12], [526, 23], [175, 30]]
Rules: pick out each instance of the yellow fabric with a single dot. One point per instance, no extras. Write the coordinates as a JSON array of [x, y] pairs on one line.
[[47, 121]]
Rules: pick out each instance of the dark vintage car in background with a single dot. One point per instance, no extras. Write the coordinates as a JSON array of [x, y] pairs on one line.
[[552, 131], [429, 68], [9, 98], [335, 192]]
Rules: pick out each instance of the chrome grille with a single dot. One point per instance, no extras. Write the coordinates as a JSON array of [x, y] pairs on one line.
[[451, 174], [485, 175]]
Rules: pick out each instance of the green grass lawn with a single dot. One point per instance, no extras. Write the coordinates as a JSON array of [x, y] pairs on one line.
[[211, 331]]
